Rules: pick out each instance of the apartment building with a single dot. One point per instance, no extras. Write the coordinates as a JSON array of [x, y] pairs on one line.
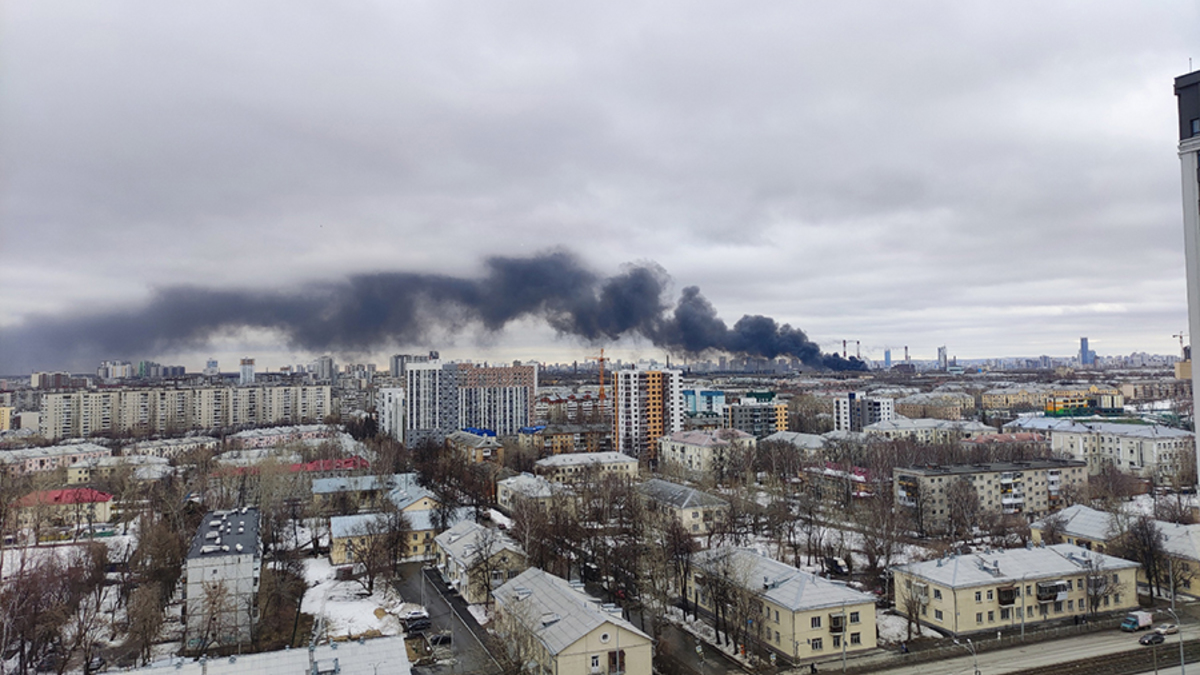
[[855, 411], [1032, 489], [704, 452], [759, 419], [698, 512], [1149, 451], [530, 489], [555, 439], [648, 405], [171, 448], [79, 414], [475, 560], [33, 460], [936, 405], [929, 430], [797, 615], [224, 564], [575, 467], [1009, 588], [475, 445], [389, 408], [441, 398]]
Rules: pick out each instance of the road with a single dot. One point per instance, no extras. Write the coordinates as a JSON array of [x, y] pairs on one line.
[[1043, 654], [469, 655]]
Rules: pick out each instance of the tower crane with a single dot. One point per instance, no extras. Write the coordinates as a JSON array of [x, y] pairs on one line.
[[1180, 335], [601, 360]]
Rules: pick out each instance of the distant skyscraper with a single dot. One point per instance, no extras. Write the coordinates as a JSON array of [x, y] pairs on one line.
[[443, 398], [246, 376], [887, 359], [326, 369], [943, 359], [1085, 354], [211, 368]]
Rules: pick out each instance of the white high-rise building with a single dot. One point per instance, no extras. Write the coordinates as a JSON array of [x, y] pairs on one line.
[[1187, 91], [389, 406], [648, 405], [856, 410], [246, 377]]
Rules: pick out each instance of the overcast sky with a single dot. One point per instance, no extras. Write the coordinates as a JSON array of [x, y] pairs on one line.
[[1000, 178]]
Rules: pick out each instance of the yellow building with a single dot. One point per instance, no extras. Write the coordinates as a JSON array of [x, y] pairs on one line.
[[1009, 588], [797, 615], [545, 620], [574, 467], [5, 418], [70, 507]]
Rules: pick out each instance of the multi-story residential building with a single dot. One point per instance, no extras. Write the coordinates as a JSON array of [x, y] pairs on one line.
[[1032, 488], [698, 512], [929, 431], [1158, 390], [1036, 445], [389, 407], [757, 418], [1084, 401], [33, 460], [6, 413], [475, 560], [575, 467], [648, 405], [1028, 397], [444, 397], [1098, 531], [936, 405], [855, 411], [1149, 451], [221, 581], [476, 445], [809, 444], [583, 408], [79, 414], [552, 623], [275, 437], [555, 439], [704, 452], [795, 614], [141, 468], [1008, 588], [171, 448], [703, 401], [530, 489], [69, 507]]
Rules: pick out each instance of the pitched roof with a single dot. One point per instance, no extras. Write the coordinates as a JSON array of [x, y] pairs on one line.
[[557, 614], [1082, 521], [462, 541], [64, 496], [782, 584], [679, 496], [711, 438], [1011, 565], [585, 458]]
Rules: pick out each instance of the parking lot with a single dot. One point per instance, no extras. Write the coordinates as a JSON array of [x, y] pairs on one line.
[[465, 652]]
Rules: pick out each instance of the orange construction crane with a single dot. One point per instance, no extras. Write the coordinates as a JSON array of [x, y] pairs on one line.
[[601, 359], [1180, 335]]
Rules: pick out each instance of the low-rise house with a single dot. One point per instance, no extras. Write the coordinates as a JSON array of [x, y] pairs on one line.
[[1008, 588], [795, 614], [557, 439], [348, 494], [1097, 531], [526, 487], [34, 460], [476, 560], [1149, 451], [942, 405], [69, 507], [224, 564], [698, 512], [476, 445], [574, 467], [1032, 488], [808, 444], [545, 620], [704, 453]]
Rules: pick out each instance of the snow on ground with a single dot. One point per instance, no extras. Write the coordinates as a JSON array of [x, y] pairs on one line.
[[345, 606], [499, 518], [1144, 504], [480, 613], [893, 628]]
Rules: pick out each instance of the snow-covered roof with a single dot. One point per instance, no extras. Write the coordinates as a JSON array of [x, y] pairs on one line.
[[558, 614], [321, 486], [347, 658], [1011, 565], [407, 491], [462, 541], [679, 496], [1181, 541], [905, 424], [804, 441], [781, 584], [531, 486], [1052, 424], [586, 458], [709, 438]]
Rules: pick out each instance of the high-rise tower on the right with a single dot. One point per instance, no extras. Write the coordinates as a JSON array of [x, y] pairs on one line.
[[1187, 91]]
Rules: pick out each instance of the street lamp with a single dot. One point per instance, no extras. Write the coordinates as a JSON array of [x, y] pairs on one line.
[[1174, 616], [971, 648]]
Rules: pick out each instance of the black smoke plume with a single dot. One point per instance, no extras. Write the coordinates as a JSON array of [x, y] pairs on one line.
[[371, 311]]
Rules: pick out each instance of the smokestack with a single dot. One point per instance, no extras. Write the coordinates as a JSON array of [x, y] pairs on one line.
[[906, 353], [858, 349], [843, 349]]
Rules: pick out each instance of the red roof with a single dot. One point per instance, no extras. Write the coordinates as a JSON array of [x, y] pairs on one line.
[[65, 496]]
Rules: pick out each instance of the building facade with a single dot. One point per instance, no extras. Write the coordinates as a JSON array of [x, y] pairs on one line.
[[856, 410], [648, 405], [224, 564]]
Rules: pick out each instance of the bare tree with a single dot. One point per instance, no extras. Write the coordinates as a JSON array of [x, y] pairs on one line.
[[483, 568], [1144, 543], [1054, 527], [962, 509], [882, 534], [144, 616]]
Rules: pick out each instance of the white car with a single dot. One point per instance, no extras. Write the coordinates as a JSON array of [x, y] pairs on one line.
[[1167, 629], [411, 614]]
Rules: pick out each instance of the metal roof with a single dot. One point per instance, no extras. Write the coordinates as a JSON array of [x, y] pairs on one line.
[[586, 458], [226, 532], [558, 614], [346, 658], [462, 541], [781, 584], [1009, 566], [679, 496]]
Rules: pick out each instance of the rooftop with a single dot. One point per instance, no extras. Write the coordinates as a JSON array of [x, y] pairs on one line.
[[782, 584], [586, 458], [1012, 565], [679, 496], [991, 467], [226, 532]]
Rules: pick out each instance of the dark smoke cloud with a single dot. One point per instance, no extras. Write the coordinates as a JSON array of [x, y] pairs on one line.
[[371, 311]]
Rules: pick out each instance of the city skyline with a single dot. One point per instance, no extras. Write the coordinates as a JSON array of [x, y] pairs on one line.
[[927, 175]]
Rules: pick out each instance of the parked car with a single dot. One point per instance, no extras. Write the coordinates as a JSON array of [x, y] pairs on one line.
[[418, 613], [1167, 629], [1151, 639], [442, 638], [422, 625]]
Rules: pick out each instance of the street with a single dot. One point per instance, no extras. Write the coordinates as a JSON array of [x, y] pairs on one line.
[[470, 656]]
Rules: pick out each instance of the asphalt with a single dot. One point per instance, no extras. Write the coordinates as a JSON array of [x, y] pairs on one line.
[[467, 652]]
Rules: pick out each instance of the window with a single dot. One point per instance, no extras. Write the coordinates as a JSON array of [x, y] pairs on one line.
[[837, 641], [853, 617], [1005, 614], [817, 645], [1196, 127], [1117, 598], [937, 614], [1070, 605], [990, 595], [616, 662], [991, 616], [937, 594], [595, 662], [1058, 606], [776, 637], [978, 617], [816, 622], [978, 596], [776, 616], [856, 638]]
